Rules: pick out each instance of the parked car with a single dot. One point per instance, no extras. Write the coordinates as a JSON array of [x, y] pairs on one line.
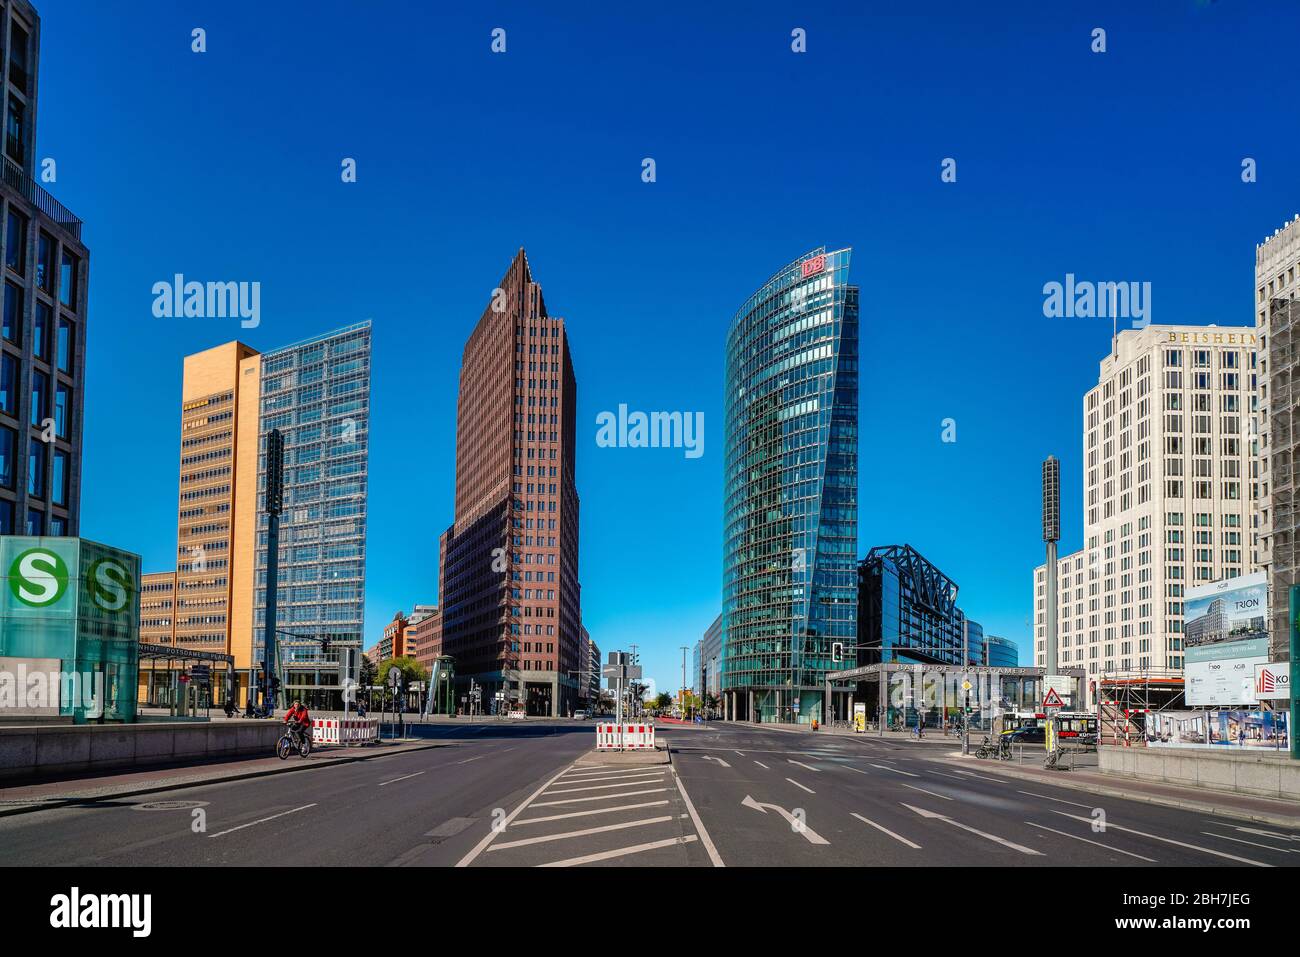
[[580, 715]]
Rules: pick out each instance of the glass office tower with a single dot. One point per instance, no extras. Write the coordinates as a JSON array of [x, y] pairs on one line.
[[317, 393], [791, 489]]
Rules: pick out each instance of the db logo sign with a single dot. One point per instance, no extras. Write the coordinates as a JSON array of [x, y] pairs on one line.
[[109, 585], [38, 577], [812, 267]]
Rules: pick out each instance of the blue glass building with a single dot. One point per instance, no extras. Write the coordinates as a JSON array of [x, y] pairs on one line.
[[1002, 652], [317, 393], [790, 489]]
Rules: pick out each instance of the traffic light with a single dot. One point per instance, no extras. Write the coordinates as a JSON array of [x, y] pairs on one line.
[[837, 651]]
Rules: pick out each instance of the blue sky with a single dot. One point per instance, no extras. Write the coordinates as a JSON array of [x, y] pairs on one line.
[[225, 166]]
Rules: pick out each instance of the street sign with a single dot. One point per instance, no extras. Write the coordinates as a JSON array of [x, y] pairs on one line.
[[394, 675], [1052, 701], [965, 685]]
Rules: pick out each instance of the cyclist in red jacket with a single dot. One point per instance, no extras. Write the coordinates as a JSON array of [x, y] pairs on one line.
[[298, 719]]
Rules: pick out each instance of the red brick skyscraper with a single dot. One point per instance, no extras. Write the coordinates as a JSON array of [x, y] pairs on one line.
[[508, 566]]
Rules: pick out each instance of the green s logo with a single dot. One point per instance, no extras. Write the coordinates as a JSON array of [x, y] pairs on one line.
[[109, 584], [38, 577]]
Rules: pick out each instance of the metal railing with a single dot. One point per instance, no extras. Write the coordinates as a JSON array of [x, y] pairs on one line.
[[36, 194]]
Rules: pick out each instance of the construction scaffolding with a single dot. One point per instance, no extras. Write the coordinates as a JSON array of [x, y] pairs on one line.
[[1281, 433], [1125, 698]]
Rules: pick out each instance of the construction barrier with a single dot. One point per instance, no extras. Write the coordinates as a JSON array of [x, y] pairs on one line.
[[344, 731], [631, 737]]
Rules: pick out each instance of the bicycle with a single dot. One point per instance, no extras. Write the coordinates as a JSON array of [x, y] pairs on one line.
[[293, 739]]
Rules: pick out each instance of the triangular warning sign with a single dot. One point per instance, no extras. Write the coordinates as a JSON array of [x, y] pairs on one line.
[[1052, 699]]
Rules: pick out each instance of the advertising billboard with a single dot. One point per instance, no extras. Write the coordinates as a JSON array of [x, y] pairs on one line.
[[1273, 680], [1225, 635], [1251, 730]]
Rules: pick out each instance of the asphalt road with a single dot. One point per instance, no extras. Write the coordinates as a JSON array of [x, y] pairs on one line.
[[778, 797], [498, 794]]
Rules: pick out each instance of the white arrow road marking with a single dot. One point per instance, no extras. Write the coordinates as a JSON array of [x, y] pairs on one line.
[[801, 828], [802, 765], [966, 827], [887, 831], [709, 757], [1087, 841], [895, 770], [1167, 840]]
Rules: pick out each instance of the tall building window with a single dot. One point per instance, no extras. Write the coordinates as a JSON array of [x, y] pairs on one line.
[[41, 331], [8, 384], [13, 313], [66, 333], [36, 469], [8, 447], [16, 241], [35, 522], [40, 397], [18, 43], [57, 526], [14, 130], [62, 410], [6, 517], [59, 478], [68, 279], [45, 262]]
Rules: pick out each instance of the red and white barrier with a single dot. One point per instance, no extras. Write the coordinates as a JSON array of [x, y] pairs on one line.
[[341, 731], [630, 737]]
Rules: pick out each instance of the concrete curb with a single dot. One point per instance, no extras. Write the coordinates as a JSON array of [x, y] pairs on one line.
[[624, 759], [54, 803], [1063, 780]]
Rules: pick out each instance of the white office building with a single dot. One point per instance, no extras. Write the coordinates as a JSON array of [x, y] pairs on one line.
[[1167, 498]]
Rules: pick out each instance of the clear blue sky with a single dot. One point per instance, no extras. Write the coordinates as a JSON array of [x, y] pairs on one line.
[[225, 165]]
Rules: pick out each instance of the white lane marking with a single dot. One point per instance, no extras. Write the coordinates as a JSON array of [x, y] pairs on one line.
[[879, 827], [261, 821], [924, 791], [1167, 840], [983, 777], [621, 852], [1267, 847], [741, 753], [1262, 833], [895, 770], [1046, 797], [799, 827], [802, 765], [585, 778], [1088, 841], [798, 785], [578, 773], [600, 797], [848, 767], [565, 835], [599, 810], [966, 827], [493, 832], [709, 757], [629, 783], [762, 765], [714, 856], [402, 778], [475, 758]]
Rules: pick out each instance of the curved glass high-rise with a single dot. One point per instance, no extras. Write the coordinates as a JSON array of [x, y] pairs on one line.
[[791, 489]]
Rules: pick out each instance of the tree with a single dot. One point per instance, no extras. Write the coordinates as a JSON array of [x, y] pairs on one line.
[[664, 701], [366, 677]]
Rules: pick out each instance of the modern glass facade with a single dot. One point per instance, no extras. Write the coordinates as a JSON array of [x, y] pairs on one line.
[[1002, 652], [908, 610], [791, 484], [317, 393]]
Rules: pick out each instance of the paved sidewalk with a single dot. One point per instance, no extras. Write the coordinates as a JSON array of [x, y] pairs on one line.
[[23, 798], [1243, 806]]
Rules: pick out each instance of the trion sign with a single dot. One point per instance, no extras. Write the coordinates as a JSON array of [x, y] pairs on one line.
[[1273, 680]]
